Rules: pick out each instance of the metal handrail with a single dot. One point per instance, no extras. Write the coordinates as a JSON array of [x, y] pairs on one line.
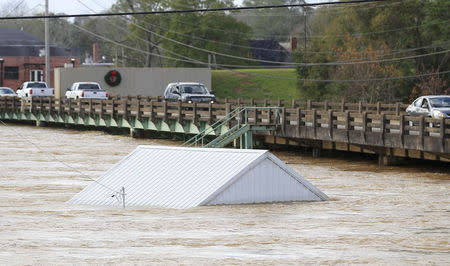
[[213, 127], [234, 114]]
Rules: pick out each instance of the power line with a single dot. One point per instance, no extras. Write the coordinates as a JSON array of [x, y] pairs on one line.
[[248, 47], [286, 63], [162, 12], [268, 76], [54, 157]]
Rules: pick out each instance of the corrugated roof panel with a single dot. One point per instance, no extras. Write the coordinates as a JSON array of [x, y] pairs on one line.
[[167, 176], [177, 177]]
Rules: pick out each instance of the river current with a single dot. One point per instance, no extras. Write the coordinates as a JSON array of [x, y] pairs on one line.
[[376, 215]]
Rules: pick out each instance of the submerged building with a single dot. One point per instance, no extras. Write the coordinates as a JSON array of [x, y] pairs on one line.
[[176, 177]]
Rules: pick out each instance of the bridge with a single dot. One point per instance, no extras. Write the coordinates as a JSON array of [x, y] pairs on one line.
[[382, 129]]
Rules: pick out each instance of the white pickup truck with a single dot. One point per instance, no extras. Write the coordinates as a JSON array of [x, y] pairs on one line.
[[35, 88], [86, 90]]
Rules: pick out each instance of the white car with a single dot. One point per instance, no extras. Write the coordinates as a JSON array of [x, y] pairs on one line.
[[8, 92], [35, 89], [435, 106], [86, 90]]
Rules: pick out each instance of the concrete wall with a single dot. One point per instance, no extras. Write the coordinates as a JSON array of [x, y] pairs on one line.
[[135, 81]]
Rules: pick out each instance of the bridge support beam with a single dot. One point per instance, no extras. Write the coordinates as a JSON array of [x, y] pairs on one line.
[[135, 133], [40, 123], [316, 152], [387, 160], [246, 141]]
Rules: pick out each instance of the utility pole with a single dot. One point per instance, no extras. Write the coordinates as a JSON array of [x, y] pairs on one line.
[[47, 47]]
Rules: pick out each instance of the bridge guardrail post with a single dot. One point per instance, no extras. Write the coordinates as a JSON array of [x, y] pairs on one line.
[[402, 130], [31, 105], [180, 112], [210, 114], [421, 131], [69, 106], [383, 127], [347, 125], [330, 124], [194, 112], [139, 111], [314, 122], [152, 114], [364, 127], [442, 133]]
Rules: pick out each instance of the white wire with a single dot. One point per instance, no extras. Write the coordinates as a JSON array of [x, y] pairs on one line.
[[287, 63], [253, 48], [267, 76]]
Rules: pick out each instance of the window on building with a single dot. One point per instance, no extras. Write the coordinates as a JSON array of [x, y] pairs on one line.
[[36, 75], [11, 73]]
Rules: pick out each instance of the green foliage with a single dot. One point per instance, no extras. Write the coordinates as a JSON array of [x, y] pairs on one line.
[[255, 83], [375, 32], [274, 23], [194, 29]]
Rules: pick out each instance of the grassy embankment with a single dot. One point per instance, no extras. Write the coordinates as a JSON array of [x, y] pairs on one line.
[[255, 83]]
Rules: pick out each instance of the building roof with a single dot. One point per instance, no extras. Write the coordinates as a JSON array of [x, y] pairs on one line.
[[176, 177], [14, 42]]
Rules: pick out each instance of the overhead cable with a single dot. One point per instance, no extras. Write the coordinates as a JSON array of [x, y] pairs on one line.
[[268, 76], [192, 10]]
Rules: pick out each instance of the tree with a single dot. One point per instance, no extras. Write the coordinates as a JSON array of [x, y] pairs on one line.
[[144, 31], [274, 23], [206, 31], [364, 90], [376, 32]]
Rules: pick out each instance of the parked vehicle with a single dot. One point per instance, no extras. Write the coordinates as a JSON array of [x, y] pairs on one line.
[[86, 90], [8, 92], [188, 92], [434, 106], [35, 89]]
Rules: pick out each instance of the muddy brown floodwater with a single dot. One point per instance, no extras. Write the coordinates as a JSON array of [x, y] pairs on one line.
[[396, 215]]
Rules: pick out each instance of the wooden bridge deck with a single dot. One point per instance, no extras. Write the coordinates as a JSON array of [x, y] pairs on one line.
[[379, 128]]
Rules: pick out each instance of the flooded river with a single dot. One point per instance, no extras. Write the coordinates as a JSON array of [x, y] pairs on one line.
[[395, 215]]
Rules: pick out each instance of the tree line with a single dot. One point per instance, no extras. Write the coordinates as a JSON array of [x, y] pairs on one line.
[[377, 44]]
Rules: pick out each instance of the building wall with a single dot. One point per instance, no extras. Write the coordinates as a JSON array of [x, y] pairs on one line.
[[135, 81], [28, 63]]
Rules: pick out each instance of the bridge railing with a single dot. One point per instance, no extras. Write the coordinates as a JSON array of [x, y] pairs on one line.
[[352, 122]]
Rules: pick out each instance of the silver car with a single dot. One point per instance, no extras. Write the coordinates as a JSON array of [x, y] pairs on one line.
[[435, 106], [188, 92]]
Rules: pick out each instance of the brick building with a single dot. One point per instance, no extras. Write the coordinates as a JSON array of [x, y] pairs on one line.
[[22, 58]]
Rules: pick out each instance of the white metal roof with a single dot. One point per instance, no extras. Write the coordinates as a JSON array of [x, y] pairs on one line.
[[177, 177]]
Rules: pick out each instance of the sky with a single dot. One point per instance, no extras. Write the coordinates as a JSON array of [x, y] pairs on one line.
[[75, 7]]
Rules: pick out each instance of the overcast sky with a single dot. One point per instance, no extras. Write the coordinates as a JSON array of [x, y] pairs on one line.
[[74, 6]]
